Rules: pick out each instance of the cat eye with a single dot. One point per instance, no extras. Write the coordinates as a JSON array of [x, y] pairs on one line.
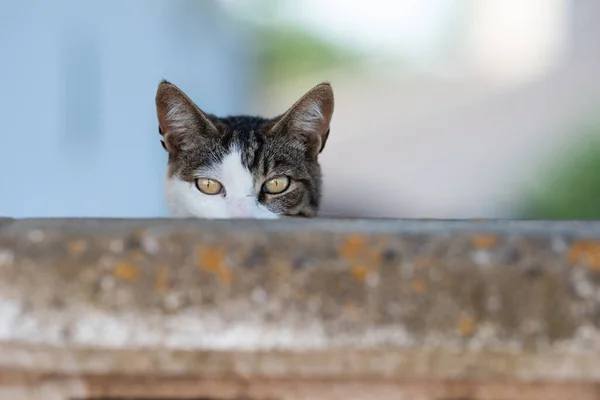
[[276, 185], [209, 186]]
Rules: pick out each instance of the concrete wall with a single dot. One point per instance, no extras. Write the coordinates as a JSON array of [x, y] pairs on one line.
[[322, 309]]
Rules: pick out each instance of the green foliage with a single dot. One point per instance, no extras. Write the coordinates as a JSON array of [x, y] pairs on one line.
[[571, 187], [288, 53]]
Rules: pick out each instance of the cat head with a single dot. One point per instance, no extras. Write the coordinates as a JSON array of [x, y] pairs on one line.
[[242, 166]]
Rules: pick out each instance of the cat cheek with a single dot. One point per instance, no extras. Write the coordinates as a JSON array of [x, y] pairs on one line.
[[273, 203]]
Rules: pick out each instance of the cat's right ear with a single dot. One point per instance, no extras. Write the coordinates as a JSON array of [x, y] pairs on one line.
[[181, 123]]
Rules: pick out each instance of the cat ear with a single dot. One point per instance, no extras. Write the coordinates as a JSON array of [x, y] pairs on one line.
[[309, 118], [181, 123]]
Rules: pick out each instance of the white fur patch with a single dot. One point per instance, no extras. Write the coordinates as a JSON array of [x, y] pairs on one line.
[[240, 199]]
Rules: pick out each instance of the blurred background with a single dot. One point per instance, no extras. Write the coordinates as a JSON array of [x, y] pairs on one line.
[[444, 108]]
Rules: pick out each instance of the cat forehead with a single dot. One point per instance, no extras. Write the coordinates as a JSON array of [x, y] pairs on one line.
[[246, 139], [243, 134], [257, 147], [240, 164], [244, 123], [232, 165], [233, 174]]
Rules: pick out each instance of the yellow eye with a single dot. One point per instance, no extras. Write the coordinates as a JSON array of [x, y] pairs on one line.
[[209, 186], [277, 185]]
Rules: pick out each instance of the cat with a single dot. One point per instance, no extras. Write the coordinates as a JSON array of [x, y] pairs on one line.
[[243, 166]]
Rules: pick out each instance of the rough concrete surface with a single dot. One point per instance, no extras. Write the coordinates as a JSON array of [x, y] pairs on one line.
[[376, 300]]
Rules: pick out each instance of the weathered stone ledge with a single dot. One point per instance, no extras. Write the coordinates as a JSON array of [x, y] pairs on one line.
[[351, 299]]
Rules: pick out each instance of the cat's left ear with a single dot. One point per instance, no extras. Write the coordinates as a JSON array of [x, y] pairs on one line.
[[309, 119]]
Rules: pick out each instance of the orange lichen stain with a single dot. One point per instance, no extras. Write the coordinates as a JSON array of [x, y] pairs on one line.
[[76, 246], [484, 241], [162, 280], [126, 271], [586, 251], [352, 246], [210, 260], [360, 273], [419, 285], [213, 261], [225, 275], [466, 325], [362, 260]]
